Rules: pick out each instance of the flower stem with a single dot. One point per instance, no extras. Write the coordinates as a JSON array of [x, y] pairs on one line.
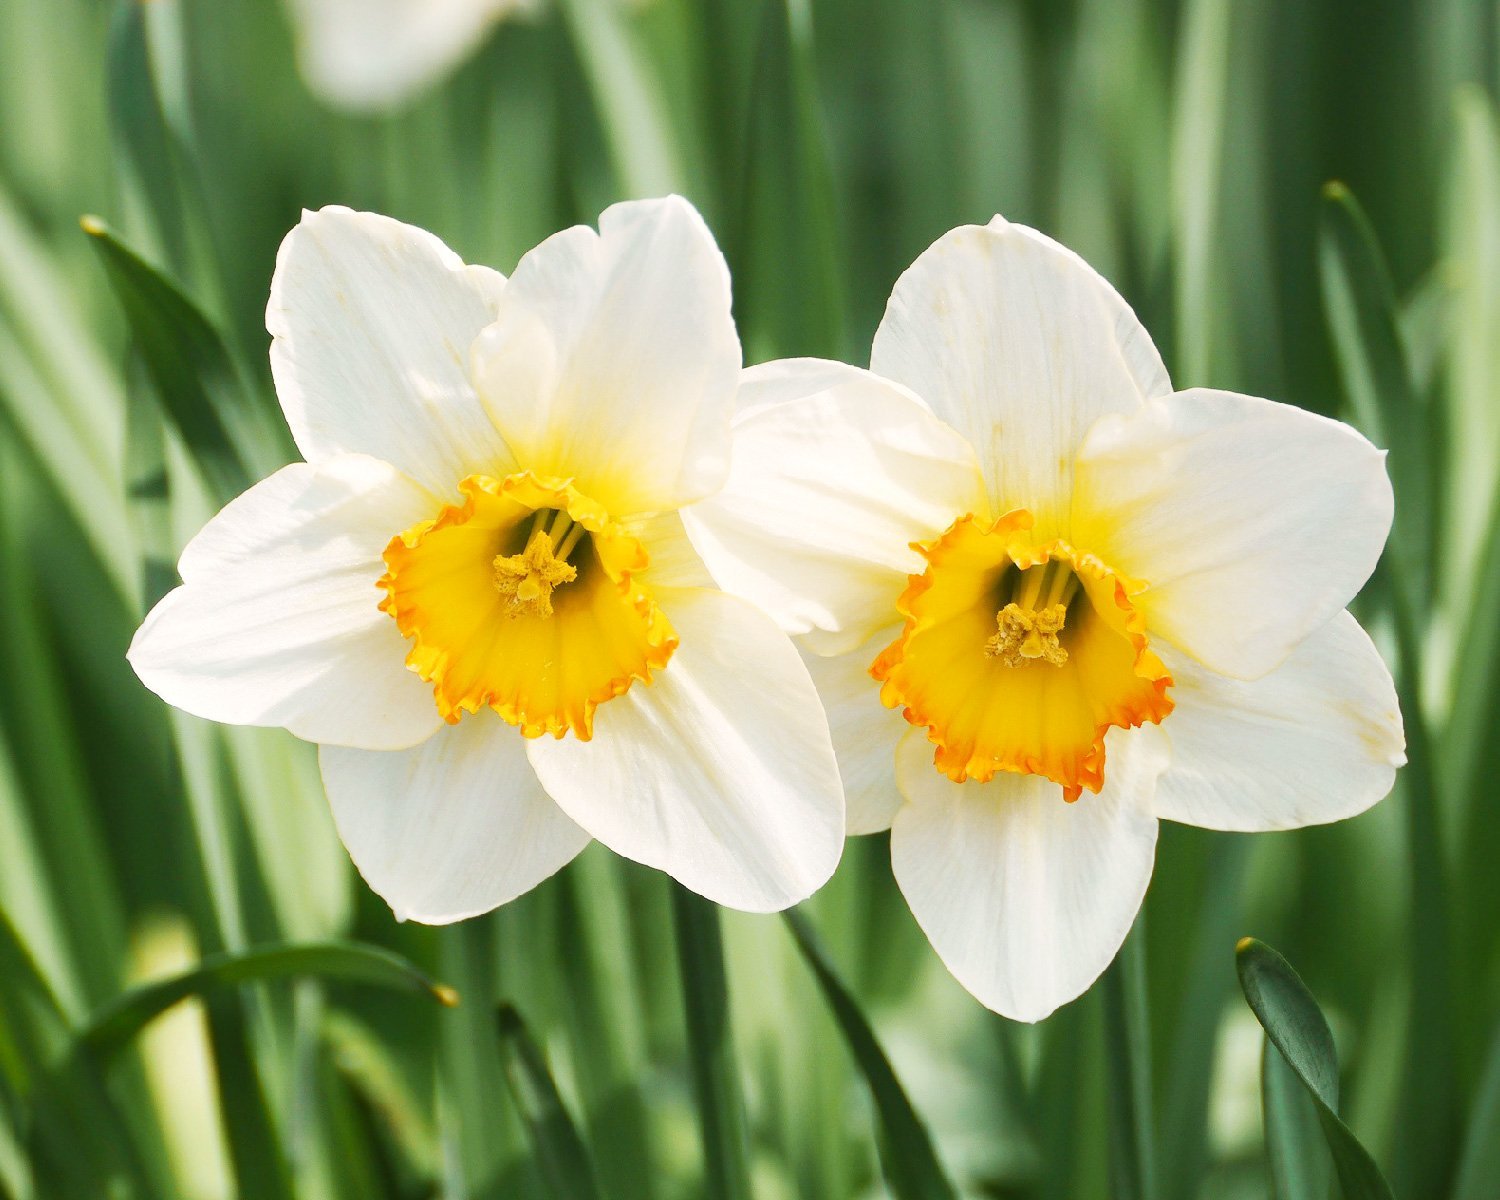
[[1127, 1044], [716, 1081]]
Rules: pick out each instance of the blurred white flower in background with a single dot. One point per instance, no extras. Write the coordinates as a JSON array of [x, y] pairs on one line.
[[369, 55]]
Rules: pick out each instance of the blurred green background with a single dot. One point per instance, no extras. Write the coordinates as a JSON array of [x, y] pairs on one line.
[[1181, 146]]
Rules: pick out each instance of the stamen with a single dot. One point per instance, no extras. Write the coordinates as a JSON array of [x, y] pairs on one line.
[[565, 548], [1028, 636], [526, 580]]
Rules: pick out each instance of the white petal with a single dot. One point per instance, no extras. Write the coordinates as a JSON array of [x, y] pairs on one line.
[[719, 771], [614, 359], [1020, 345], [1252, 522], [1025, 897], [452, 828], [371, 322], [277, 621], [834, 473], [1317, 740], [865, 733], [373, 54]]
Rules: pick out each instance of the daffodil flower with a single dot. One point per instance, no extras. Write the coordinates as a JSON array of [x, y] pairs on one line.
[[476, 594], [1063, 602], [374, 54]]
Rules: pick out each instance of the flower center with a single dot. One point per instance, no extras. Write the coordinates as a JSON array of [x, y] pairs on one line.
[[526, 580], [1032, 621], [1019, 656], [526, 598]]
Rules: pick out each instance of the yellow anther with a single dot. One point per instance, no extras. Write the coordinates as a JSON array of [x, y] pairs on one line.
[[526, 580], [1027, 635]]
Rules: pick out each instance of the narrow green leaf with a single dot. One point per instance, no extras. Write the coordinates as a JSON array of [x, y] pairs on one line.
[[716, 1080], [58, 394], [911, 1165], [117, 1023], [1127, 1044], [642, 145], [1427, 1124], [1360, 306], [1196, 925], [144, 160], [184, 355], [1359, 303], [1198, 124], [33, 1028], [1479, 1162], [76, 1143], [563, 1158], [1295, 1026], [1295, 1150], [604, 1023], [788, 274]]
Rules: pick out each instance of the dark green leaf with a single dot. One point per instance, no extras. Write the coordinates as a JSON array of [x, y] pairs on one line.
[[564, 1160], [1127, 1045], [788, 277], [184, 355], [1295, 1026], [144, 158], [911, 1165], [716, 1080], [1195, 925], [1359, 303], [1479, 1163], [116, 1023], [1294, 1139], [33, 1029]]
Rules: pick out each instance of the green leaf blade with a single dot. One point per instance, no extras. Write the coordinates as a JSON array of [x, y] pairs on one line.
[[1295, 1027], [114, 1025], [906, 1151], [186, 359], [562, 1156]]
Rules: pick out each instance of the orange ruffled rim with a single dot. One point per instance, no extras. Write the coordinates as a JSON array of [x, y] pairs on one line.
[[983, 717]]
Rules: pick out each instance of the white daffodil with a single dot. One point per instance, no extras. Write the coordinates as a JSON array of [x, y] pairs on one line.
[[1074, 560], [373, 54], [476, 592]]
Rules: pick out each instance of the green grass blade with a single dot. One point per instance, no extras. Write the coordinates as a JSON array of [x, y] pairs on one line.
[[604, 1019], [114, 1025], [564, 1160], [1427, 1128], [1295, 1026], [33, 1027], [1360, 307], [184, 355], [77, 1145], [642, 144], [716, 1080], [1127, 1044], [788, 274], [144, 160], [1479, 1162], [1197, 923], [1198, 124], [1359, 303], [72, 1091], [1295, 1151], [911, 1165]]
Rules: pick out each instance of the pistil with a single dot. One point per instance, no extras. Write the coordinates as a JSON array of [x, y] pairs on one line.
[[526, 580], [1030, 625]]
